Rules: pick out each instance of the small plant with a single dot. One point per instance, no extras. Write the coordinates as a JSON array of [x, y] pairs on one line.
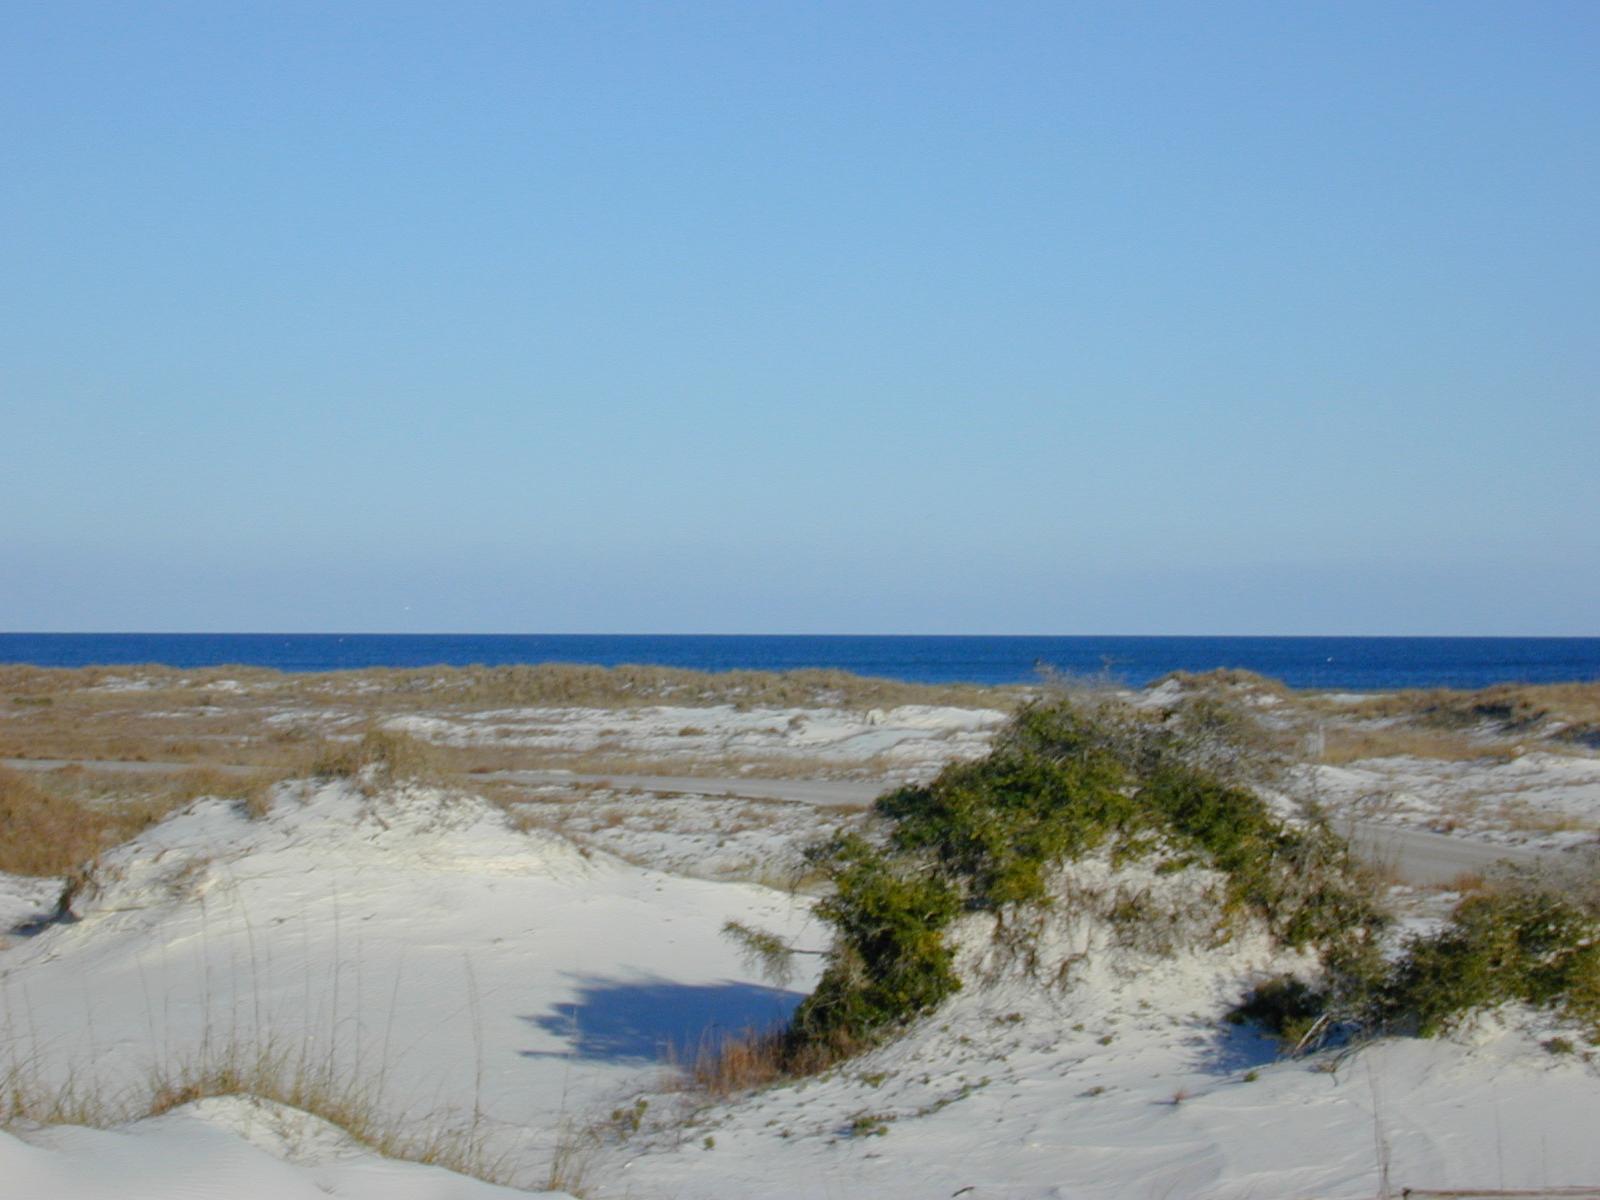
[[726, 1066], [626, 1121], [572, 1159], [1559, 1045], [1285, 1006], [869, 1125]]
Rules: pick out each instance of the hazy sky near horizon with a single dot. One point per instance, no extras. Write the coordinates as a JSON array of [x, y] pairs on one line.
[[856, 318]]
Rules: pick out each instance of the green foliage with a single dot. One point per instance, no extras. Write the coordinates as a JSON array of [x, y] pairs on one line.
[[1302, 881], [1523, 942], [1286, 1006], [1526, 940], [996, 825], [1061, 781], [762, 950], [890, 960]]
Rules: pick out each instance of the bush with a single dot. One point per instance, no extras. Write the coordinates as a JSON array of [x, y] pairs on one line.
[[1061, 781], [1527, 941], [1289, 1007], [889, 960], [1524, 940]]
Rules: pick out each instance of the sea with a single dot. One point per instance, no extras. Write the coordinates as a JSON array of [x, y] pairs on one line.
[[1328, 663]]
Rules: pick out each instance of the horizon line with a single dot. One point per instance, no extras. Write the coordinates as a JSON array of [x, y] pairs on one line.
[[323, 633]]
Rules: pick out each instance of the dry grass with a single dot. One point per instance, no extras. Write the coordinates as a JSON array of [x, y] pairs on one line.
[[55, 822], [1523, 817], [730, 1066], [1351, 743], [1511, 708], [355, 1105], [380, 756], [559, 685], [575, 1151], [280, 722], [727, 1066], [1227, 680], [269, 1071], [576, 685], [49, 831], [26, 1098]]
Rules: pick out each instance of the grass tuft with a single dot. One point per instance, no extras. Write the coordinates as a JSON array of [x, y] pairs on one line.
[[268, 1070], [381, 756], [49, 827]]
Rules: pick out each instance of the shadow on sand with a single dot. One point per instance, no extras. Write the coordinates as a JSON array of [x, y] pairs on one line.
[[651, 1020]]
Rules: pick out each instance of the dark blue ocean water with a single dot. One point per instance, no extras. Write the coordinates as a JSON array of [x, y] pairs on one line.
[[1313, 662]]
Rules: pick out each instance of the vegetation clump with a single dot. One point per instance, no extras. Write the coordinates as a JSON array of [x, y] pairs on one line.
[[1522, 940], [1063, 780], [54, 823], [381, 756], [1527, 940]]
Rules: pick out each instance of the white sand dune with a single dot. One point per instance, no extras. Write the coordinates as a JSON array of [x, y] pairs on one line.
[[415, 940], [467, 973]]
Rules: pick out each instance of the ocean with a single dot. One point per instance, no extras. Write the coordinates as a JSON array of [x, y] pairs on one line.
[[1354, 663]]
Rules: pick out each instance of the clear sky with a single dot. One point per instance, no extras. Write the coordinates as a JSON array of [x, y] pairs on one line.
[[766, 317]]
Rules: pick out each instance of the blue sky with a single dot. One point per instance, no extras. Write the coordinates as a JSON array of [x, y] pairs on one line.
[[921, 318]]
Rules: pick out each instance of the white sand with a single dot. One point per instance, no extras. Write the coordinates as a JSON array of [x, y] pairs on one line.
[[420, 940]]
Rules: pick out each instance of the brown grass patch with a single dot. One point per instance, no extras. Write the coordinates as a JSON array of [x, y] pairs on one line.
[[1513, 708], [268, 1071], [731, 1065], [326, 1091], [54, 822], [257, 717], [578, 685], [49, 830], [1346, 744], [380, 756], [1226, 679]]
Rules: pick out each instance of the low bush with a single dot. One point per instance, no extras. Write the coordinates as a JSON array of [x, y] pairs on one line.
[[889, 959], [1061, 781], [1527, 940]]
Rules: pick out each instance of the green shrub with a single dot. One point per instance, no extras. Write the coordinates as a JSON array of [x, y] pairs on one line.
[[1061, 781], [1285, 1006], [996, 825], [890, 960], [1526, 941]]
